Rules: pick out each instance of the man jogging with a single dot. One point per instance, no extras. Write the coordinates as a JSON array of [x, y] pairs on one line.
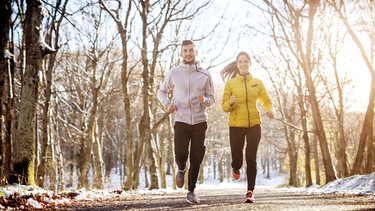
[[193, 92]]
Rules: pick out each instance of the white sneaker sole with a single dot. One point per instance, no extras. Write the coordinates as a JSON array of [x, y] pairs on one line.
[[192, 202]]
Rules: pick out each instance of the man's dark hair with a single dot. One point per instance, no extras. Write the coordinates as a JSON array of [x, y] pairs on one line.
[[188, 42]]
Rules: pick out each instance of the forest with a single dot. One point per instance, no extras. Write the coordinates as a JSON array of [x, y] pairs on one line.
[[78, 84]]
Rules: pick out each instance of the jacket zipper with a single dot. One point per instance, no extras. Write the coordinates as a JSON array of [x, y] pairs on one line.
[[191, 115], [247, 102]]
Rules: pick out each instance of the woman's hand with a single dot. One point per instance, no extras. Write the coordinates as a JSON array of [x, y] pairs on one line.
[[270, 114], [232, 100]]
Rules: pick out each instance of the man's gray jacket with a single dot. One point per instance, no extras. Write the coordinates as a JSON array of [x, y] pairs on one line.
[[186, 82]]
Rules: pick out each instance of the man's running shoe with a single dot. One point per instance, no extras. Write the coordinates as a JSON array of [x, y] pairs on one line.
[[191, 198], [180, 178], [249, 197], [236, 174]]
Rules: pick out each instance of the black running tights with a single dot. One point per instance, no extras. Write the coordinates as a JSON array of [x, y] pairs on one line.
[[237, 137]]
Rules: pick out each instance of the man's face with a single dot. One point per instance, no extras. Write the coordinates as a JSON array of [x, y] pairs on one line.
[[188, 53]]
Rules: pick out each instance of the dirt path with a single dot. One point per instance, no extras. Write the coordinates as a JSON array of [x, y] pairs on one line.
[[233, 200]]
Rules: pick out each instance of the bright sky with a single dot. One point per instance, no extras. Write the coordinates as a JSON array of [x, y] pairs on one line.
[[244, 13]]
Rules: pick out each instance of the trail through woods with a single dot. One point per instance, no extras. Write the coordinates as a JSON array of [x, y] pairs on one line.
[[233, 199]]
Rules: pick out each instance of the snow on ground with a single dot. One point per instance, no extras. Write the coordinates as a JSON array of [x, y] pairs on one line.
[[359, 184]]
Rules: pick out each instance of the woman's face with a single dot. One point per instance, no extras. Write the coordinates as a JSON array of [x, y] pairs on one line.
[[243, 64]]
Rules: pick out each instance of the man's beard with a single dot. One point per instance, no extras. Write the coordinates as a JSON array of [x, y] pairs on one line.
[[190, 62]]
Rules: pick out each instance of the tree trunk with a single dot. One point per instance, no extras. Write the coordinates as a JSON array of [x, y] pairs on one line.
[[306, 140], [26, 137], [171, 154], [366, 140], [153, 166], [163, 155], [293, 159], [108, 157], [52, 167], [145, 123], [60, 170], [6, 92], [60, 164], [201, 170], [307, 159], [84, 160], [292, 148], [221, 168], [45, 124], [316, 159], [46, 117], [87, 149], [317, 117], [268, 161], [128, 147], [98, 166], [326, 154]]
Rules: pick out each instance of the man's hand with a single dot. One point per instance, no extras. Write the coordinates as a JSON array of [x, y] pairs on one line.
[[201, 98], [171, 108]]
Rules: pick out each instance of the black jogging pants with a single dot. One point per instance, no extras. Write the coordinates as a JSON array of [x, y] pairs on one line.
[[186, 135]]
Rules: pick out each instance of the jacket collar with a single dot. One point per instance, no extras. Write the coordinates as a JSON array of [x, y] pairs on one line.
[[191, 67], [242, 78]]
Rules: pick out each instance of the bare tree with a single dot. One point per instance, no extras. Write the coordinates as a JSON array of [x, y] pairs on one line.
[[36, 49], [365, 155], [333, 38], [52, 38], [124, 29], [301, 49]]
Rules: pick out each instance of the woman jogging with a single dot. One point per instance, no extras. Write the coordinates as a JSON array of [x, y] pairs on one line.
[[240, 97]]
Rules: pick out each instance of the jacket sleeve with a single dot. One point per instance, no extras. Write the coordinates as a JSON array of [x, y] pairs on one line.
[[226, 97], [164, 90], [209, 92], [265, 99]]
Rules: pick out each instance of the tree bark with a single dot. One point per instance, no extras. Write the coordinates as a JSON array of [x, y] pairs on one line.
[[144, 125], [316, 160], [171, 154], [306, 139], [163, 154], [221, 168], [26, 131], [6, 91], [98, 166]]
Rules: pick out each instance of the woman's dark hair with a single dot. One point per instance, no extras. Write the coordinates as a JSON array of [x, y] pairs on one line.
[[231, 70]]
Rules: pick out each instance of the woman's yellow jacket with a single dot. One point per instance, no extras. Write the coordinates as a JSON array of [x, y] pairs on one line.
[[244, 112]]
